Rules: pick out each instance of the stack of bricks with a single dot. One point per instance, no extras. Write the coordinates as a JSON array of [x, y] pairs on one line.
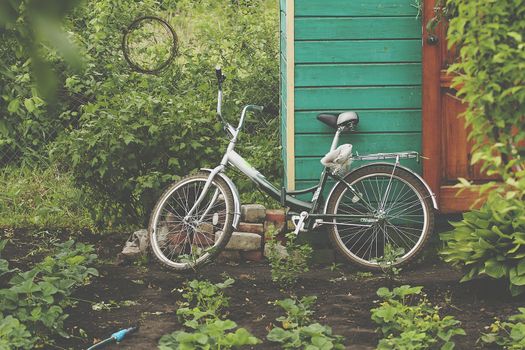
[[247, 242]]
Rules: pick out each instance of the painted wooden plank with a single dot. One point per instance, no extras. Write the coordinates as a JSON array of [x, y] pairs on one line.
[[369, 121], [357, 74], [341, 28], [312, 145], [355, 8], [356, 51], [282, 5], [355, 98], [310, 168]]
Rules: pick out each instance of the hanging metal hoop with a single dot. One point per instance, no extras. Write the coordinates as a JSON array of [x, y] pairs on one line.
[[137, 24]]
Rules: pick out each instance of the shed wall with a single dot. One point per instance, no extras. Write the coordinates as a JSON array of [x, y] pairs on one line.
[[362, 55]]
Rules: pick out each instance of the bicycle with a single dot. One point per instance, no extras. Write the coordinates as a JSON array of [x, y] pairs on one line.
[[370, 209]]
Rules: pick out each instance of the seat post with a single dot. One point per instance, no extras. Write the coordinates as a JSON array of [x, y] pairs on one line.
[[336, 139]]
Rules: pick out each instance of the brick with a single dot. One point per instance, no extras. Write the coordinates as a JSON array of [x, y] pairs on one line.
[[277, 216], [244, 241], [253, 255], [323, 256], [252, 228], [229, 256], [253, 213]]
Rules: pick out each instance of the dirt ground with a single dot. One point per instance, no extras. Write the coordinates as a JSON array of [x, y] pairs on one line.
[[344, 299]]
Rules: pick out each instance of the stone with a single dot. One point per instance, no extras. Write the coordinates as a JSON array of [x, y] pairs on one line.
[[229, 256], [280, 250], [253, 255], [244, 241], [253, 213], [142, 237], [252, 228]]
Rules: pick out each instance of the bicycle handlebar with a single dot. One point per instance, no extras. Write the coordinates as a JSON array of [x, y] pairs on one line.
[[220, 77]]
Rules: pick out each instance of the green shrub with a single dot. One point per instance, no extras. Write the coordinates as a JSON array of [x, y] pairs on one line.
[[408, 321], [491, 241], [298, 333], [508, 335], [32, 306], [288, 262]]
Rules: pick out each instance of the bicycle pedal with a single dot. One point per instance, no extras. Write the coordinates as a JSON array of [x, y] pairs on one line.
[[298, 221]]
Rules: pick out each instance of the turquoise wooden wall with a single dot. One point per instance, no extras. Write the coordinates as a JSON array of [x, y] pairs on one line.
[[361, 55]]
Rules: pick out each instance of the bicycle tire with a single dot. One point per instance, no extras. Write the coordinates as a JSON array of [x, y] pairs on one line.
[[417, 204], [178, 233]]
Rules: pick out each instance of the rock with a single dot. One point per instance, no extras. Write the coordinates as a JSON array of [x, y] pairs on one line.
[[244, 241], [253, 213], [253, 255], [142, 237], [252, 228], [280, 250]]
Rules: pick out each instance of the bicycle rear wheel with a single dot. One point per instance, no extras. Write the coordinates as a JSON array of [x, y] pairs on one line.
[[393, 213], [187, 244]]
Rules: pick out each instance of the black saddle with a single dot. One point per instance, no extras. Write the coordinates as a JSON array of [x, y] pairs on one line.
[[342, 120]]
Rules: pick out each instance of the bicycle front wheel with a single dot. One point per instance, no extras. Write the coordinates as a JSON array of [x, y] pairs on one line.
[[183, 242], [390, 216]]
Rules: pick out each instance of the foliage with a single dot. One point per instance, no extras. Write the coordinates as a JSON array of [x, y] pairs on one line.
[[289, 262], [298, 333], [408, 321], [508, 335], [137, 133], [32, 305], [35, 30], [43, 199], [491, 241], [491, 79], [127, 135], [202, 314], [217, 334]]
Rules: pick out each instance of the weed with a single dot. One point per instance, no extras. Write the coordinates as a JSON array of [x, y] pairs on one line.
[[287, 264], [201, 314], [297, 332], [508, 334], [388, 260]]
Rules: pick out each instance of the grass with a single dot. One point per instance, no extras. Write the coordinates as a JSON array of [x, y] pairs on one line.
[[41, 199]]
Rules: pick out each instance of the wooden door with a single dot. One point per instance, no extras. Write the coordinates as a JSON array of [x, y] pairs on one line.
[[445, 141]]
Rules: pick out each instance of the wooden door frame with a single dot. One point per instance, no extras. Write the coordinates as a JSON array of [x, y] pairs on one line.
[[450, 200], [431, 104]]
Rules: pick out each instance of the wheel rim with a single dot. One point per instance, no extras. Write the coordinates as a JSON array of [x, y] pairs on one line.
[[187, 243], [399, 221]]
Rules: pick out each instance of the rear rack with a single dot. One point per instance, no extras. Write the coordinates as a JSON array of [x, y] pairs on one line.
[[383, 156]]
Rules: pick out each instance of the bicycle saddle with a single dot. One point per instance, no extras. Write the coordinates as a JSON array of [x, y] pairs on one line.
[[343, 119]]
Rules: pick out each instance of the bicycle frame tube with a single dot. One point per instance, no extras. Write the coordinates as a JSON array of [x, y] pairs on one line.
[[253, 174]]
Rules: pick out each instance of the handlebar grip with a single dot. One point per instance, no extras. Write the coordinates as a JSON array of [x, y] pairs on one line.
[[218, 72], [258, 108]]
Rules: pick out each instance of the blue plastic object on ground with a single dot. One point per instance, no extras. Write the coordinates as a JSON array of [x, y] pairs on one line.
[[116, 337]]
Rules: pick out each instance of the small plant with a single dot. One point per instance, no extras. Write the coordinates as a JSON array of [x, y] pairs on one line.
[[289, 262], [201, 314], [297, 332], [408, 321], [32, 306], [216, 334], [508, 335], [388, 260]]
